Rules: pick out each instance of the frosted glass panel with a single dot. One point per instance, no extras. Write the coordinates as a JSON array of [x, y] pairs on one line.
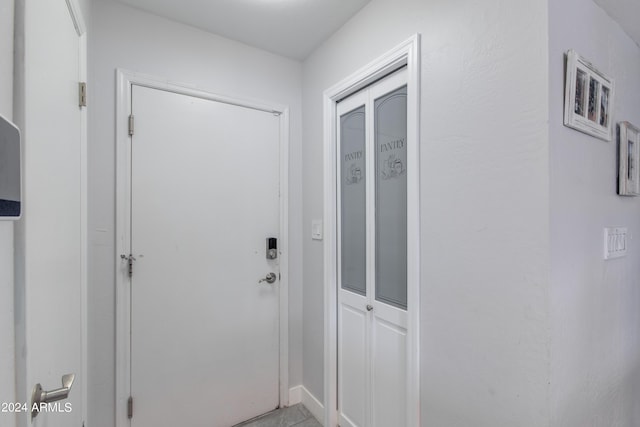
[[391, 197], [352, 184]]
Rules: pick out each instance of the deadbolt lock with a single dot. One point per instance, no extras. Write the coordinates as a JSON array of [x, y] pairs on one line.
[[272, 248]]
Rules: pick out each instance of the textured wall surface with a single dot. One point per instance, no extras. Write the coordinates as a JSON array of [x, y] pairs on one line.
[[595, 304], [123, 37], [515, 294], [7, 341], [484, 201]]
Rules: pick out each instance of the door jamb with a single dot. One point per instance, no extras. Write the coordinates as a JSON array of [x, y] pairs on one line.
[[407, 53], [124, 80], [81, 29]]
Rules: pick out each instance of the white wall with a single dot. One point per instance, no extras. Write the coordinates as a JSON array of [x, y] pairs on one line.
[[6, 52], [127, 38], [484, 201], [7, 340], [595, 304]]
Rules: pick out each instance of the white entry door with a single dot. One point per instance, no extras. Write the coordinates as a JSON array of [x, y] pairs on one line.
[[372, 260], [204, 201], [51, 237]]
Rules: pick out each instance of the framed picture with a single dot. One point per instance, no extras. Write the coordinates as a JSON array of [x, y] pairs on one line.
[[628, 159], [588, 99]]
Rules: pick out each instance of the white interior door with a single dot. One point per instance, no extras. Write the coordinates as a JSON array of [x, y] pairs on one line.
[[204, 199], [372, 255], [51, 237]]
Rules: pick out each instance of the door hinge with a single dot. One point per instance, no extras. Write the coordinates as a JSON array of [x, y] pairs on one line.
[[130, 407], [131, 125], [82, 94]]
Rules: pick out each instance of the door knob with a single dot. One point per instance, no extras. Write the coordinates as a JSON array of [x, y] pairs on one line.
[[40, 396], [270, 278], [369, 307]]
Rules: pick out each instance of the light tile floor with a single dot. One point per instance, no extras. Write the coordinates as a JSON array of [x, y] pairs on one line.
[[293, 416]]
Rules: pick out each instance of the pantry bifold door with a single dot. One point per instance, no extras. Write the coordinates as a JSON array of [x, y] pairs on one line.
[[372, 255]]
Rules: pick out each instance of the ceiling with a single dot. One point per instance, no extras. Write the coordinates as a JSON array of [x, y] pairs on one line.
[[627, 13], [292, 28]]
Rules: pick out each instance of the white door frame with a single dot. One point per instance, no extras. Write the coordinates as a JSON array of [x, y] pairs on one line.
[[406, 54], [124, 80], [81, 29]]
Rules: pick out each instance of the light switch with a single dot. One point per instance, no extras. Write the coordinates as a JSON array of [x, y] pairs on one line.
[[615, 242], [316, 229]]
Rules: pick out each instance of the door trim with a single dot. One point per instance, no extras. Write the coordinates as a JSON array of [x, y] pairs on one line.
[[81, 30], [124, 80], [406, 54]]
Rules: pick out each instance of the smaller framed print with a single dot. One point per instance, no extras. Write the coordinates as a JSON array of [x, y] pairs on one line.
[[628, 159], [588, 99]]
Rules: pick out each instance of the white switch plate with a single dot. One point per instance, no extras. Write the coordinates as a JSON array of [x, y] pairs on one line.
[[615, 242], [316, 229]]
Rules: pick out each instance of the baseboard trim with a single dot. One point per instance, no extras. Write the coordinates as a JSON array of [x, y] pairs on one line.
[[295, 395], [313, 405], [299, 394]]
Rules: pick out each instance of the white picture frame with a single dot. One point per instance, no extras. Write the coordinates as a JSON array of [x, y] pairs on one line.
[[628, 159], [589, 98]]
